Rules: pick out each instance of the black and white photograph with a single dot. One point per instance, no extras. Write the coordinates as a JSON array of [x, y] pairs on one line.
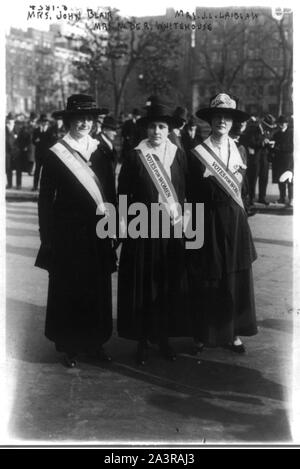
[[149, 256]]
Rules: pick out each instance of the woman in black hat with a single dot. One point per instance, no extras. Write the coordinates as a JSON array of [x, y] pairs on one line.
[[220, 272], [152, 277], [73, 185]]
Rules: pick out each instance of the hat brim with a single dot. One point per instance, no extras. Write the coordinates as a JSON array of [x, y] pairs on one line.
[[270, 126], [208, 113], [78, 112]]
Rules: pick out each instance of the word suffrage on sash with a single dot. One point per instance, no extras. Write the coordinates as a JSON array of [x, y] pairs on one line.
[[224, 176]]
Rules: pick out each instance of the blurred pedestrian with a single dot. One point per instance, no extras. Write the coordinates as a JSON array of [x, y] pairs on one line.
[[75, 181], [26, 145], [179, 121], [221, 282], [191, 134], [283, 160], [12, 152], [107, 149], [152, 282], [260, 143], [131, 133], [42, 138], [58, 129]]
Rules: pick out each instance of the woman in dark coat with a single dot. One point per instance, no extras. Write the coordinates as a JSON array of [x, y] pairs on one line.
[[75, 180], [222, 293], [152, 276]]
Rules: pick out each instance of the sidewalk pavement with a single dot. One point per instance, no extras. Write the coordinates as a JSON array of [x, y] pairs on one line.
[[215, 398], [26, 194]]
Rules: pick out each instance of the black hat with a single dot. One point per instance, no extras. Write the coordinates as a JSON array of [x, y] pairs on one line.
[[269, 121], [225, 103], [282, 120], [157, 112], [179, 116], [109, 123], [79, 104], [32, 115], [43, 118]]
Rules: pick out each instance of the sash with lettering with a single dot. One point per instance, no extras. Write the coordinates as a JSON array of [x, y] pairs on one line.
[[83, 173], [161, 180], [224, 177]]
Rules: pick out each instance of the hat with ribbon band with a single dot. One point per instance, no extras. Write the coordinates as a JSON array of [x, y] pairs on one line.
[[79, 104], [225, 104]]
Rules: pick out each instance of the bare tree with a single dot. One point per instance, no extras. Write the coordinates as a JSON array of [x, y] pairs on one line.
[[277, 39], [112, 56]]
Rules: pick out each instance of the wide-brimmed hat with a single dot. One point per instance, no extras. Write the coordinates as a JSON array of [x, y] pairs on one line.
[[226, 104], [109, 123], [179, 116], [269, 121], [79, 104], [157, 112]]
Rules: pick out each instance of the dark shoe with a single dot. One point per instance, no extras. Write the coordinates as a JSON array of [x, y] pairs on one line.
[[237, 348], [263, 201], [70, 361], [8, 186], [142, 353], [281, 201], [167, 352]]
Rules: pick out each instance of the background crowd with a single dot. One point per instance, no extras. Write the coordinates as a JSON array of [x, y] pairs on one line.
[[266, 141]]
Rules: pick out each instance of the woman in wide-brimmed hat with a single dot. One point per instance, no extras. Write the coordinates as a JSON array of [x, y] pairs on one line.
[[152, 277], [73, 185], [220, 272]]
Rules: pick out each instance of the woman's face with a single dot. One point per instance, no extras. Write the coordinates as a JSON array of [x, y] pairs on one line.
[[221, 124], [157, 133], [81, 126]]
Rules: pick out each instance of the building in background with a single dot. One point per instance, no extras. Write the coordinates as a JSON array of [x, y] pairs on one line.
[[247, 56], [39, 70]]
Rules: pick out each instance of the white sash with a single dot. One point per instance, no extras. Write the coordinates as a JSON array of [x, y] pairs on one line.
[[82, 172], [161, 181], [223, 176]]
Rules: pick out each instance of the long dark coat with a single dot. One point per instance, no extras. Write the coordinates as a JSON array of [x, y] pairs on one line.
[[79, 306], [283, 154], [221, 286], [152, 275]]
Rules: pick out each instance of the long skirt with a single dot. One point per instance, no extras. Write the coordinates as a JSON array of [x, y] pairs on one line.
[[223, 309]]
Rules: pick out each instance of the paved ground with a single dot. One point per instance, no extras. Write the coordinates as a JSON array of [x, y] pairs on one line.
[[219, 398]]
